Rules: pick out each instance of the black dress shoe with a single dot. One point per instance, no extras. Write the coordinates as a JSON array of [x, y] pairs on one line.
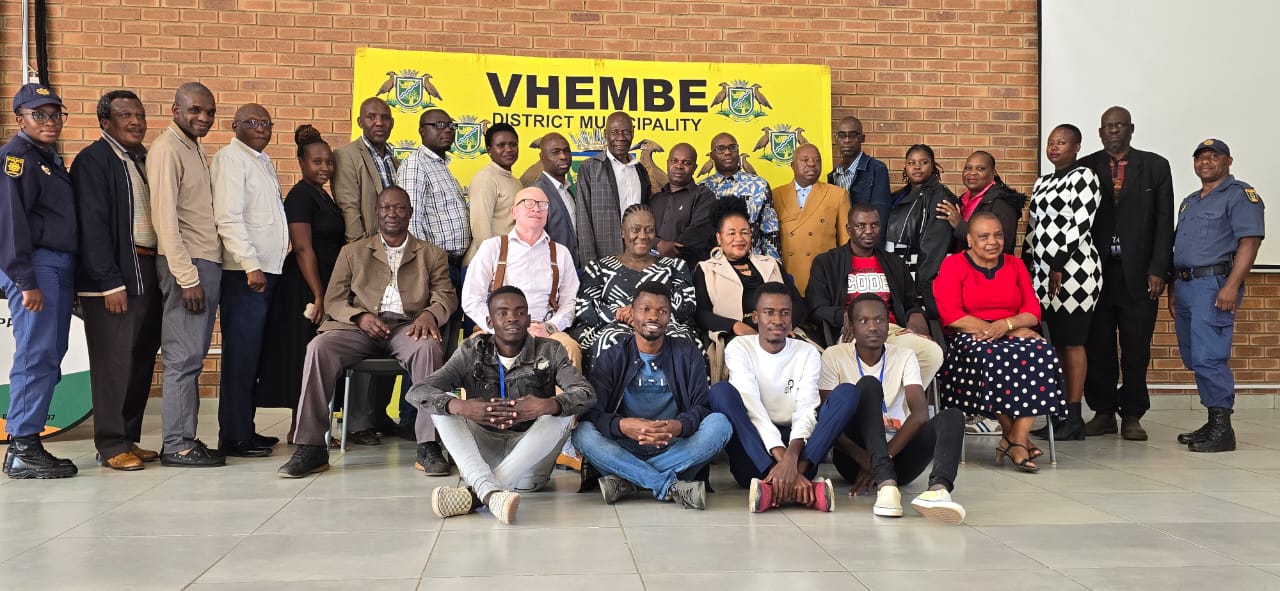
[[366, 437], [243, 449], [199, 456], [264, 440], [307, 459]]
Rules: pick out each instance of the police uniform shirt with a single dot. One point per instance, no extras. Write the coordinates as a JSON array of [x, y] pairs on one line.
[[1210, 228], [37, 208]]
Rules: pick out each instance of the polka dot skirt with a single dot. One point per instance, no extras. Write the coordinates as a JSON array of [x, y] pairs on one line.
[[1010, 376]]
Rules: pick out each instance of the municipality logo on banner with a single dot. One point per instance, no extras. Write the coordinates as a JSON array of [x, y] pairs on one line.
[[468, 139], [741, 101], [403, 149], [780, 143], [409, 92]]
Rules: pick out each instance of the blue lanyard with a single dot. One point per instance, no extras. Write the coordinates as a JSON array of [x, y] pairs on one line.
[[502, 379], [883, 357]]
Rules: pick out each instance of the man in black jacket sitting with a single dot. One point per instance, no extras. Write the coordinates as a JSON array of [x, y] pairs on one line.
[[652, 425], [845, 272]]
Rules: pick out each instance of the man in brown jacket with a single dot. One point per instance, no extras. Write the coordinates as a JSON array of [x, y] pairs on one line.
[[387, 296], [812, 215]]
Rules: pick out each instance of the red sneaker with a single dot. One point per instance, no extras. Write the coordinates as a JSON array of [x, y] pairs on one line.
[[760, 496], [824, 495]]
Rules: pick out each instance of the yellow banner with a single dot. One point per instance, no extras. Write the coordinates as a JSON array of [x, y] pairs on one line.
[[770, 109]]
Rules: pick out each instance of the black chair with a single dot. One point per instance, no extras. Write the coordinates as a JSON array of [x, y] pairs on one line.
[[374, 366]]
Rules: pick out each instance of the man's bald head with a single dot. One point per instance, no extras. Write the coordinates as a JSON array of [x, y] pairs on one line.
[[394, 212], [1116, 131], [193, 109], [682, 160], [806, 163], [620, 130], [252, 125], [556, 156]]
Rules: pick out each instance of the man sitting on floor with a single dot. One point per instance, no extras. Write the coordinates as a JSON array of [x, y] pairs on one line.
[[652, 426], [892, 402], [506, 434], [387, 296], [771, 399]]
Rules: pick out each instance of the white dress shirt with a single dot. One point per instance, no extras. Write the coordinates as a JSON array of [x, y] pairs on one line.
[[528, 268], [248, 210], [565, 197], [628, 182], [391, 301]]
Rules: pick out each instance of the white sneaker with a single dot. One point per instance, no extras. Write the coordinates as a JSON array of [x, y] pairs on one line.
[[888, 502], [449, 501], [938, 506], [503, 505], [980, 425]]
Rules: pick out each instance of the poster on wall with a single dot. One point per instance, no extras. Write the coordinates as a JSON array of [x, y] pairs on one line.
[[770, 109], [72, 399]]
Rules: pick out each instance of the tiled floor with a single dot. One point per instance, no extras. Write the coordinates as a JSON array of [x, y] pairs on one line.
[[1111, 515]]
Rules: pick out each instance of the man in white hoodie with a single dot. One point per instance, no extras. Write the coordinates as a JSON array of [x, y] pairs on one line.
[[771, 399]]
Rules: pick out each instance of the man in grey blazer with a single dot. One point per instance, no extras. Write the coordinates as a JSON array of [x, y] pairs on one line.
[[609, 183], [557, 159], [364, 168]]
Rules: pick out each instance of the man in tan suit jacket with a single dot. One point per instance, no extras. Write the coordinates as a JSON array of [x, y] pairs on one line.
[[388, 295], [363, 169], [811, 214]]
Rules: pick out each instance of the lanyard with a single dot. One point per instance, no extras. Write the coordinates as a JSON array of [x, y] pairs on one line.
[[502, 379], [883, 362]]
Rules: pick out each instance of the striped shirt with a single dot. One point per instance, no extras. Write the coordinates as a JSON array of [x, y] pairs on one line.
[[440, 213], [144, 233]]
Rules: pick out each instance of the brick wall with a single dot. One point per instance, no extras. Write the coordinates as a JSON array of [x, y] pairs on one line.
[[957, 74]]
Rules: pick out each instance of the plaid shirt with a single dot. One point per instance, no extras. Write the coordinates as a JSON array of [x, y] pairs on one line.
[[755, 191], [391, 301], [385, 163], [440, 214]]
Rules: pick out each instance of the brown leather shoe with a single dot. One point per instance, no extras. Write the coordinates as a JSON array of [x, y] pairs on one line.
[[123, 461], [145, 455], [1102, 423], [1131, 429]]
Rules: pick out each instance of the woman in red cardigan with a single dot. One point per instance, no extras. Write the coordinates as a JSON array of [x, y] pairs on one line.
[[996, 365]]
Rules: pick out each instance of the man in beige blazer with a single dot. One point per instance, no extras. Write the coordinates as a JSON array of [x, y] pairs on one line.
[[389, 295], [811, 214], [363, 169]]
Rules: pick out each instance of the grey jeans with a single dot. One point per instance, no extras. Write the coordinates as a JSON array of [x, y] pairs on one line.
[[504, 460], [184, 343]]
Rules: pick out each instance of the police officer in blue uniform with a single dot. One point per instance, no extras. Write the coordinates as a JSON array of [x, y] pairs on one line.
[[1220, 228], [38, 243]]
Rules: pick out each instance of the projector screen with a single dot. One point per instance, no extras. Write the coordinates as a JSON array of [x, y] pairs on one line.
[[1187, 71]]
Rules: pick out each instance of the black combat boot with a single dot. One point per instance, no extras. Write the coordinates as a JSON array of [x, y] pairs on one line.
[[1220, 436], [27, 458], [1193, 436]]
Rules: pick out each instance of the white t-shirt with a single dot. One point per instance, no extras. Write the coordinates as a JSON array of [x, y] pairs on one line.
[[841, 365], [777, 388]]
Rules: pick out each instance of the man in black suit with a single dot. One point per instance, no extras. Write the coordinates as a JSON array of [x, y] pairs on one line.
[[116, 280], [1134, 233], [557, 158], [609, 183]]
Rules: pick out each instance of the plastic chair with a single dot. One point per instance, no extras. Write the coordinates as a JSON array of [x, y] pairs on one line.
[[374, 366]]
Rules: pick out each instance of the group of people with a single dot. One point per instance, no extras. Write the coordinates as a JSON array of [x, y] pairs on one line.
[[650, 326]]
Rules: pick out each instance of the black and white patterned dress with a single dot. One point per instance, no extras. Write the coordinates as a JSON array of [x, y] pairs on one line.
[[607, 285], [1059, 237], [1014, 377]]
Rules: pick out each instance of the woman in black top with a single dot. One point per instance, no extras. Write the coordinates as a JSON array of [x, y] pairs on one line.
[[914, 231], [297, 307], [984, 191]]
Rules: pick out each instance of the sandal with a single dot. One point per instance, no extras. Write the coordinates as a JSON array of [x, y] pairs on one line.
[[1025, 465], [1034, 452]]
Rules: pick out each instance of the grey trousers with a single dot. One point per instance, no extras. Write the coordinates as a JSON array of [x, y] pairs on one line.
[[504, 460], [333, 351], [184, 342]]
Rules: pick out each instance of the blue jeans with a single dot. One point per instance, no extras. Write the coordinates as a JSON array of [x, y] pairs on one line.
[[40, 339], [243, 321], [654, 468], [1204, 338], [748, 457]]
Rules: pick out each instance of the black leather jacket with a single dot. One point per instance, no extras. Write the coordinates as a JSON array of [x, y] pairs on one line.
[[915, 233]]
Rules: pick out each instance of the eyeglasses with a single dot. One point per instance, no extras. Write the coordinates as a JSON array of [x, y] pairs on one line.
[[620, 132], [42, 117], [254, 124], [393, 208], [534, 204], [723, 148], [848, 135], [441, 125]]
